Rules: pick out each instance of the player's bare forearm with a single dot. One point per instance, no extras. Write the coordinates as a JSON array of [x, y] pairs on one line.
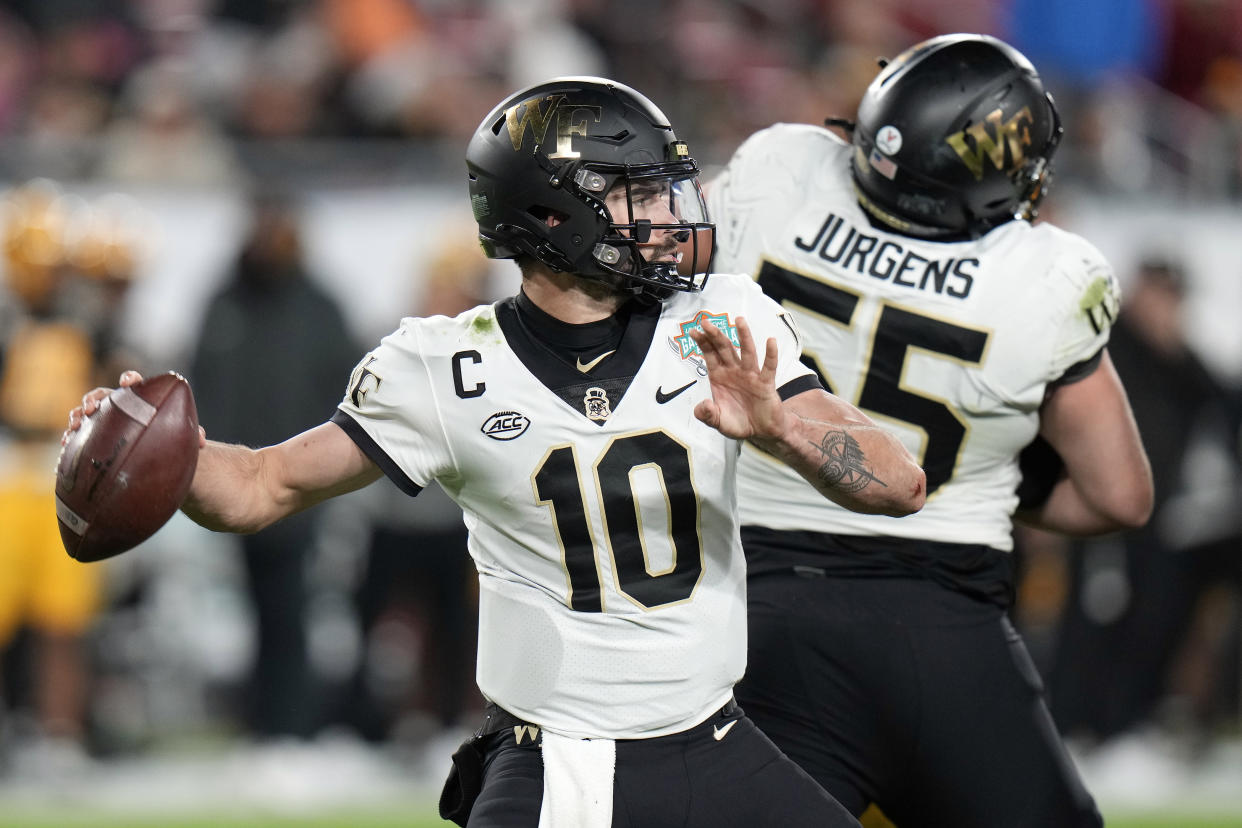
[[841, 452], [855, 464], [1067, 512], [243, 490], [228, 493], [1107, 484]]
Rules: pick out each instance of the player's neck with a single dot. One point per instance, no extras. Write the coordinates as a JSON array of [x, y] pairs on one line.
[[570, 298]]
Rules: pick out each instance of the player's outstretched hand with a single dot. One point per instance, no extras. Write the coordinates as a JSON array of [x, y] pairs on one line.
[[744, 403], [92, 399]]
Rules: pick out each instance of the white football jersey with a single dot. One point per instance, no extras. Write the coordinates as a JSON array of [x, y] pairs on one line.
[[948, 345], [602, 514]]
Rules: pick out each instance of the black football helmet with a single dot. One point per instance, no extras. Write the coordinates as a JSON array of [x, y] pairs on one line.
[[954, 137], [557, 149]]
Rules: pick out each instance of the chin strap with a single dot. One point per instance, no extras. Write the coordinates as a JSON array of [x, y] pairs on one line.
[[520, 240], [895, 222], [921, 231]]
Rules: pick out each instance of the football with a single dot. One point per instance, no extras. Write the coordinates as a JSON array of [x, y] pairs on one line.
[[127, 469]]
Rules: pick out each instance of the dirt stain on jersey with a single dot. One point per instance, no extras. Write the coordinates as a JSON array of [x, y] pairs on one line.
[[484, 328]]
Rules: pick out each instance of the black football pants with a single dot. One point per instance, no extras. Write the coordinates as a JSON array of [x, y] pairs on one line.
[[687, 780], [905, 693]]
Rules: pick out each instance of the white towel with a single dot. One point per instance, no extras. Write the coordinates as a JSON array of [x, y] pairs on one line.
[[577, 782]]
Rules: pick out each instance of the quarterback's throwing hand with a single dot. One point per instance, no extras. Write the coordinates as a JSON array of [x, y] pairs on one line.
[[91, 401], [95, 397], [744, 403]]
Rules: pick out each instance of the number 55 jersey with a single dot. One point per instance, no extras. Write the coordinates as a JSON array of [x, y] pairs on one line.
[[601, 512], [950, 345]]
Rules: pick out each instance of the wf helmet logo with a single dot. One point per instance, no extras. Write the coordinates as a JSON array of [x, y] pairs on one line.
[[538, 114], [1013, 135]]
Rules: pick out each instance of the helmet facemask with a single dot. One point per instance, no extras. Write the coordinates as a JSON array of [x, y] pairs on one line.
[[657, 237], [1032, 181]]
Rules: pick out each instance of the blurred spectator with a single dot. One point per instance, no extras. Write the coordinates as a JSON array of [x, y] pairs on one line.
[[162, 137], [271, 353], [1203, 38], [52, 349], [389, 55], [544, 42], [76, 77], [417, 607], [17, 68], [1133, 598], [283, 94]]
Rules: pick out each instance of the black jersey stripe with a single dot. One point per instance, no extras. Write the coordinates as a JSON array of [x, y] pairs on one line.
[[806, 382], [372, 449]]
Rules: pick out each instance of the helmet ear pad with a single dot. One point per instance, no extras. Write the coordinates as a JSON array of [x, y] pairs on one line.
[[546, 222], [954, 137]]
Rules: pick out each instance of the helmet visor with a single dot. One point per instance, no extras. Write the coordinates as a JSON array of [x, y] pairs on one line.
[[658, 222]]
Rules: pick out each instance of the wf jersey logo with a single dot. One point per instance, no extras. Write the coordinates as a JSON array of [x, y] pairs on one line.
[[363, 381], [1013, 135], [1101, 302], [687, 347], [505, 425], [530, 732], [537, 115]]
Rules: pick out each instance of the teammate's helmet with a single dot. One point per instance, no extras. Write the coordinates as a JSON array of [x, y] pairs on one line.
[[557, 149], [954, 137]]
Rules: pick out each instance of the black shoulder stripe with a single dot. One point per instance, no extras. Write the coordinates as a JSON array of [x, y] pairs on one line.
[[371, 449], [806, 382], [1078, 371]]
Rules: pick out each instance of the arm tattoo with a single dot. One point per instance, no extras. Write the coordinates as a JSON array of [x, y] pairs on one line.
[[844, 465]]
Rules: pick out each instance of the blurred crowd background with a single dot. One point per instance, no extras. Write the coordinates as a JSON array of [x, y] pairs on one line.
[[252, 192]]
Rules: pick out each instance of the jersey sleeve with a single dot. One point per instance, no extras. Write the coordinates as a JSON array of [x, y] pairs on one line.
[[1091, 301], [390, 411], [767, 319]]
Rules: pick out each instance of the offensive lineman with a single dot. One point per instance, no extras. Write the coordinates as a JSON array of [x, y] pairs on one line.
[[882, 658], [595, 469]]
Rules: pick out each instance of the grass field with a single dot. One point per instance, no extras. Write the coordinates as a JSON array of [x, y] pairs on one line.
[[331, 820], [421, 818], [345, 785]]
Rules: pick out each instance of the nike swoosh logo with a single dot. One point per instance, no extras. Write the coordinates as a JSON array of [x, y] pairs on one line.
[[719, 733], [585, 367], [662, 398]]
